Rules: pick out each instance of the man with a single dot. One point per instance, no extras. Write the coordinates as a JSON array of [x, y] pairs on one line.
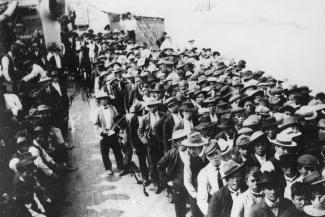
[[307, 164], [228, 132], [209, 178], [289, 166], [300, 194], [136, 93], [130, 25], [245, 151], [245, 202], [259, 141], [273, 204], [193, 163], [222, 201], [138, 147], [150, 133], [174, 118], [171, 171], [8, 68], [105, 124], [188, 122]]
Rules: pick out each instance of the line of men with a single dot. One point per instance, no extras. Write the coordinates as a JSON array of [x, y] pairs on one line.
[[34, 115], [222, 138]]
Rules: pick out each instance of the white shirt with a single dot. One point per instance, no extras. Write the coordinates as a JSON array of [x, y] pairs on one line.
[[234, 194], [154, 118], [273, 206], [188, 125], [58, 61], [109, 114], [36, 71], [290, 182], [177, 118], [12, 103], [260, 159], [207, 184], [5, 68], [242, 206], [57, 87]]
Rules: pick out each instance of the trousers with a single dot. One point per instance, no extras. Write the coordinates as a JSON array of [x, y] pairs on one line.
[[107, 143]]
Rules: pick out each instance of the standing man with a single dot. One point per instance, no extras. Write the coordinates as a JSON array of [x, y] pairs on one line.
[[104, 123], [130, 25], [150, 133], [221, 202]]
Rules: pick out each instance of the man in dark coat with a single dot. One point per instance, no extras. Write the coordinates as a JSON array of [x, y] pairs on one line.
[[273, 204], [221, 202]]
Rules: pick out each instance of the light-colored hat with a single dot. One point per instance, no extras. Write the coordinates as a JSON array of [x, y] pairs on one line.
[[178, 134], [285, 140], [21, 139], [195, 139], [225, 147], [152, 102], [110, 78], [44, 79]]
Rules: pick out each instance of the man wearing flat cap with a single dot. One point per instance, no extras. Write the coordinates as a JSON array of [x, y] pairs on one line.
[[222, 201]]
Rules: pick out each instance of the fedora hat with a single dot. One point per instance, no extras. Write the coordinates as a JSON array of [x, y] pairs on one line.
[[271, 179], [225, 146], [251, 121], [245, 131], [43, 108], [269, 122], [137, 107], [288, 159], [178, 134], [230, 168], [226, 123], [237, 110], [242, 140], [284, 140], [195, 139], [262, 110], [188, 106], [244, 99], [257, 136], [44, 79], [152, 102], [288, 122]]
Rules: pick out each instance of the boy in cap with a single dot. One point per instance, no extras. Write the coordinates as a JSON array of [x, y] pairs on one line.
[[209, 178], [307, 164], [222, 201], [171, 170]]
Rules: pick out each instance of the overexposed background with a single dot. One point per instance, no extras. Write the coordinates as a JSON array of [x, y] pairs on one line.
[[285, 38]]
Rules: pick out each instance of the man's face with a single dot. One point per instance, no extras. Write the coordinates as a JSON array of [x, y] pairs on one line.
[[235, 80], [243, 150], [187, 115], [104, 102], [239, 119], [271, 193], [304, 171], [230, 131], [299, 202], [260, 148], [270, 132], [138, 82], [289, 170], [153, 108], [280, 150], [215, 158], [199, 99], [249, 107], [234, 181], [159, 95], [252, 183]]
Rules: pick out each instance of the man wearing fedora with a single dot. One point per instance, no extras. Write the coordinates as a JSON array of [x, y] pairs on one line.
[[105, 123], [193, 163], [228, 132], [189, 121], [273, 204], [260, 145], [222, 201], [150, 132], [171, 171]]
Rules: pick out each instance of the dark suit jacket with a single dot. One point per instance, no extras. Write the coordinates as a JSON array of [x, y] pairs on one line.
[[168, 167], [292, 212], [146, 134], [168, 128], [134, 94], [133, 133], [256, 162], [222, 135], [262, 210], [220, 204]]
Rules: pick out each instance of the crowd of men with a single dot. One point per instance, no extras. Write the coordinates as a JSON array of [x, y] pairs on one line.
[[223, 139]]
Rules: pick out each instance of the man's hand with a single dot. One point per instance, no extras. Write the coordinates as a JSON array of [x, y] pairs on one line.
[[170, 184]]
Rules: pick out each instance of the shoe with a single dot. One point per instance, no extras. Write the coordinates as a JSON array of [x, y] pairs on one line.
[[68, 147], [124, 172]]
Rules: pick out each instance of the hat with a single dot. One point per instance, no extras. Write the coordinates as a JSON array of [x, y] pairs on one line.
[[226, 123], [188, 106], [136, 107], [32, 112], [243, 100], [21, 140], [202, 79], [288, 159], [257, 136], [251, 121], [194, 139], [237, 110], [110, 78], [288, 108], [38, 129], [178, 134], [307, 160], [312, 177], [234, 98], [288, 122], [285, 140], [243, 140], [317, 211], [262, 110], [211, 149], [43, 108], [255, 93], [225, 146], [152, 102], [101, 95], [169, 101], [245, 131], [269, 122], [230, 168], [271, 179]]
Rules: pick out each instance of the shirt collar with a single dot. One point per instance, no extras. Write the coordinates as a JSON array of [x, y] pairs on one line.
[[234, 192], [272, 204], [290, 179]]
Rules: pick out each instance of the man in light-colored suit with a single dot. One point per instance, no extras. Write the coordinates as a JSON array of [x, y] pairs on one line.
[[104, 122]]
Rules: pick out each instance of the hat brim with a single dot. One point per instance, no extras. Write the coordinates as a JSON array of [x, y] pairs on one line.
[[199, 144], [311, 211], [233, 171], [292, 145], [187, 109]]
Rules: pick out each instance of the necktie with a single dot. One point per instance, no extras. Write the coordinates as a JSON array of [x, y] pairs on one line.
[[220, 183]]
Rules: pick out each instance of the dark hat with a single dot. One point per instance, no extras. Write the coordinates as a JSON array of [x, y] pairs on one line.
[[159, 88], [269, 122], [304, 89], [211, 149], [226, 123], [243, 100], [288, 122], [210, 100], [287, 108], [206, 125], [25, 165], [238, 110], [272, 180], [231, 168], [188, 106], [307, 160], [171, 100], [288, 159], [136, 107], [313, 178]]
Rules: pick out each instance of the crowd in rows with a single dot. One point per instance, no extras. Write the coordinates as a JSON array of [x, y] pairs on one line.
[[226, 140]]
